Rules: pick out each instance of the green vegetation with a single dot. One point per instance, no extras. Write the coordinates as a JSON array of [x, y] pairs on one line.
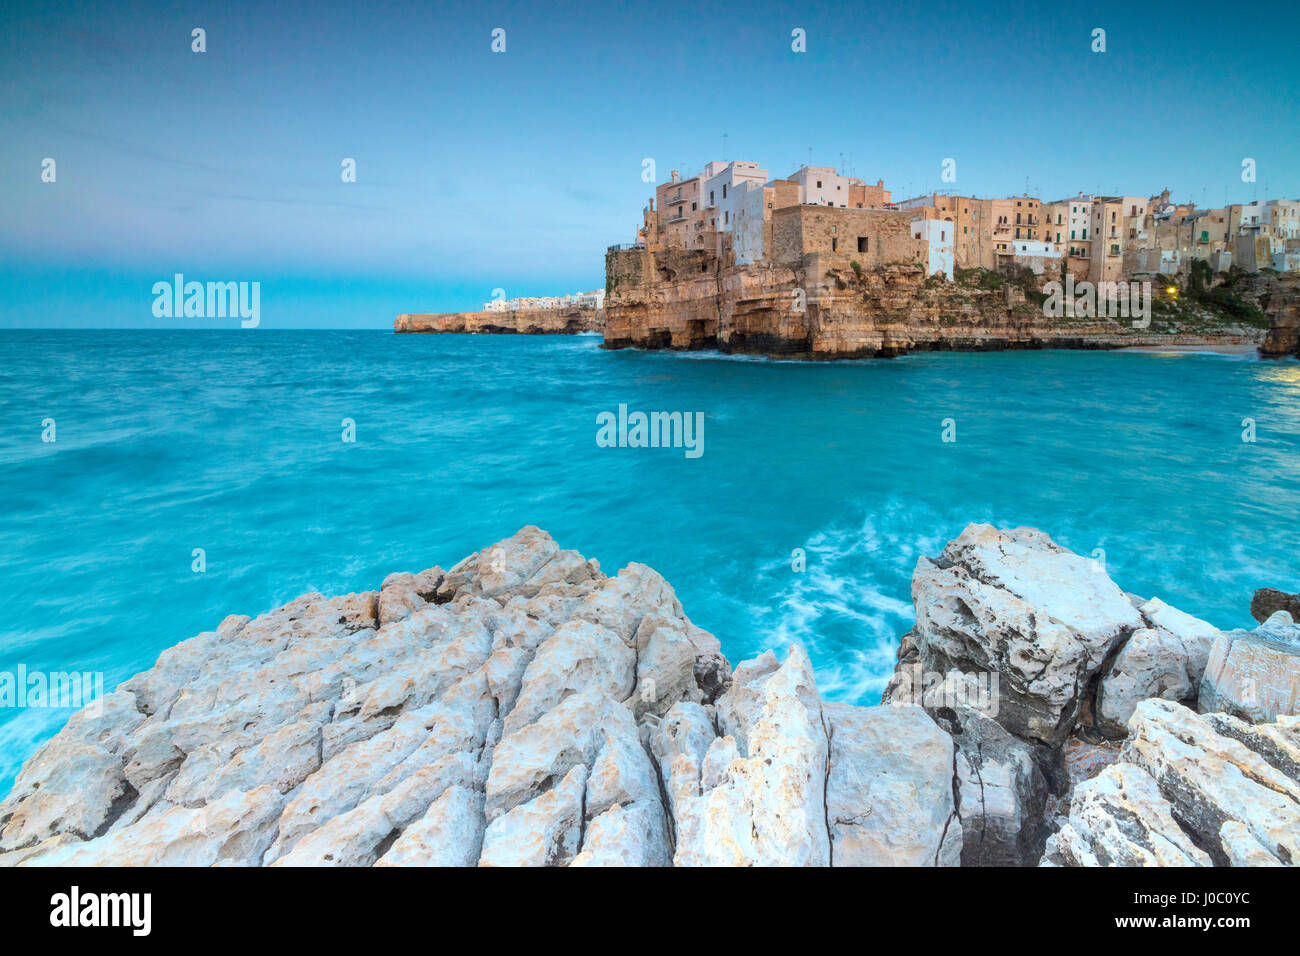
[[1223, 298], [979, 278]]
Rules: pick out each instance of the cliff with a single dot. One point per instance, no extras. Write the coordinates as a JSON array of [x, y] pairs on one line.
[[523, 708], [522, 321], [1280, 300], [823, 307]]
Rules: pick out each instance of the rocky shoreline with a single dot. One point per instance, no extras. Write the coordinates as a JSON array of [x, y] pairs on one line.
[[690, 301], [524, 708], [573, 321]]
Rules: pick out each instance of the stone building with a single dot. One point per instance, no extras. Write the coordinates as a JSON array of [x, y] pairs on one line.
[[681, 221]]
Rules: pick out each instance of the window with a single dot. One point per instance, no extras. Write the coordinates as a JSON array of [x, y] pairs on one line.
[[693, 205], [835, 245], [724, 190], [726, 218], [819, 184], [862, 243], [710, 197]]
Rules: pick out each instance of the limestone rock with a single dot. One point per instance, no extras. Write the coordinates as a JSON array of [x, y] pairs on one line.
[[889, 791], [1002, 791], [1042, 618], [449, 834], [1210, 779], [1165, 659], [485, 715], [762, 785], [234, 830], [546, 831], [1255, 674], [1119, 818], [1268, 601], [526, 709], [403, 592]]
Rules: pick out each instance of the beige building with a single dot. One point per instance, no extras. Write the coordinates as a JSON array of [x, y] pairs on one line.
[[681, 220], [1117, 221]]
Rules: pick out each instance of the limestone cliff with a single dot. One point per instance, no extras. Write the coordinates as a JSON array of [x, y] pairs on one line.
[[522, 321], [525, 709], [1281, 304], [824, 307]]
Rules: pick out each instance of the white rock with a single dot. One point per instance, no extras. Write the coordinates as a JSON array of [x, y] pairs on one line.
[[1119, 818], [767, 804], [543, 832], [889, 793], [449, 834]]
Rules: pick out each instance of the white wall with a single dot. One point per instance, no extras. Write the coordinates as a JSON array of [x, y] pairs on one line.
[[833, 191], [940, 236]]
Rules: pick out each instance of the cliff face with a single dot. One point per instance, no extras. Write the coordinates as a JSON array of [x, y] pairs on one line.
[[525, 709], [523, 321], [1281, 304], [824, 308]]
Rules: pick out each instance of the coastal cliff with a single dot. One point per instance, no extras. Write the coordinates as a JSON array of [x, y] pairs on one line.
[[520, 321], [524, 708], [826, 307], [1280, 300]]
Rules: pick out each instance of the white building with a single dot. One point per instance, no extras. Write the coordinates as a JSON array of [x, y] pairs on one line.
[[723, 185], [823, 186], [1080, 214], [939, 235], [1282, 216], [749, 215], [1034, 247]]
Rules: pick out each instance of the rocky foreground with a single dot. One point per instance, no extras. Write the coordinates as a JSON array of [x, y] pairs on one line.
[[525, 709]]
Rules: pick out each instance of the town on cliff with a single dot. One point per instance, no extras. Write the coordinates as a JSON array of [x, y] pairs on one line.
[[824, 265]]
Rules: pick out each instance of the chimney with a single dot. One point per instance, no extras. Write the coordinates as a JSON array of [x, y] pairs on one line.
[[675, 175]]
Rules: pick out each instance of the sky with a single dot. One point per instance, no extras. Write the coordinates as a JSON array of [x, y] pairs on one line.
[[478, 170]]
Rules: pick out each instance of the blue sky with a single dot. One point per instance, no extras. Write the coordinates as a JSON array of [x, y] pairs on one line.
[[478, 170]]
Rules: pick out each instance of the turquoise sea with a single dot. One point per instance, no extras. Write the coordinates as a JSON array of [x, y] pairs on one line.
[[169, 441]]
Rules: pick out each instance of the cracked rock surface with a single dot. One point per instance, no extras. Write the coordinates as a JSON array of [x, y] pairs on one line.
[[520, 709], [525, 709]]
